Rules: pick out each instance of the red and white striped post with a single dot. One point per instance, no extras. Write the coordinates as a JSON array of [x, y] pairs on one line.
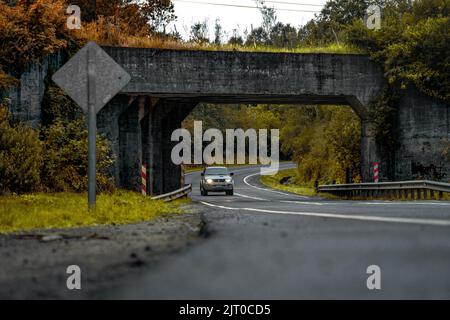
[[376, 166], [144, 179]]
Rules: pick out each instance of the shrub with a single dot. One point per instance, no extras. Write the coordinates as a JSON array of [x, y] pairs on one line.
[[66, 157], [20, 156]]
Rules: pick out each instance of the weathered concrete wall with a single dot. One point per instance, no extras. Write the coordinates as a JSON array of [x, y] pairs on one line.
[[225, 77], [423, 128], [26, 99], [108, 125], [165, 116]]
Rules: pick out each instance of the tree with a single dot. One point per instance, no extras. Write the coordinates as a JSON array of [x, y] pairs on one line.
[[257, 36], [20, 156], [146, 16], [159, 14], [199, 32], [343, 135], [218, 33], [268, 15], [329, 25], [29, 30], [284, 36], [65, 155], [236, 39], [412, 44]]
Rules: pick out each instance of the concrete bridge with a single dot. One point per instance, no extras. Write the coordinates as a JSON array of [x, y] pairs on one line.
[[167, 84]]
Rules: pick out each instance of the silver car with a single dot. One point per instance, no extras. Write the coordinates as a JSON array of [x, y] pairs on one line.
[[216, 179]]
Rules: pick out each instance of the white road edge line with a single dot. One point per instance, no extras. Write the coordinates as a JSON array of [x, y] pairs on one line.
[[432, 222], [340, 203], [305, 202], [267, 190], [254, 198]]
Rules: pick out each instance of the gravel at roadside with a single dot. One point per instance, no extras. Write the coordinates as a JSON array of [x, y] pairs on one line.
[[33, 264]]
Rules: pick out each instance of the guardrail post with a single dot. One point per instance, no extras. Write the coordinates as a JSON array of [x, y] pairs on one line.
[[440, 195], [419, 196], [432, 194], [425, 194]]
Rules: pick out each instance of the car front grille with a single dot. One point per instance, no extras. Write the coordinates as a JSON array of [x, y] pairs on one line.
[[218, 180]]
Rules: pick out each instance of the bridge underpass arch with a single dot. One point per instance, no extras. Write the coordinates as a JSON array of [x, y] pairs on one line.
[[172, 82], [153, 143]]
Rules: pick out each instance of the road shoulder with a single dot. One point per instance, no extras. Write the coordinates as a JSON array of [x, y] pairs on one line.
[[34, 264]]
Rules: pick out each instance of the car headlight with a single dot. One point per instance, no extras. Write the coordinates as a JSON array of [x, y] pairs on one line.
[[228, 180], [209, 181]]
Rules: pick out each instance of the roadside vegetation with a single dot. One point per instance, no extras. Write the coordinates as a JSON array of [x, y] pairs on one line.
[[43, 178], [68, 210], [52, 158], [286, 180], [324, 139]]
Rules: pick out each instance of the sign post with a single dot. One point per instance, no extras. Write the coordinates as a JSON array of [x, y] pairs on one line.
[[91, 78], [92, 129]]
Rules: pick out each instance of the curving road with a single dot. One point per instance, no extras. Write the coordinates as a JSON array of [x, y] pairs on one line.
[[267, 244]]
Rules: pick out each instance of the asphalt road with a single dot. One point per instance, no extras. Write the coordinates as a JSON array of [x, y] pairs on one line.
[[267, 244]]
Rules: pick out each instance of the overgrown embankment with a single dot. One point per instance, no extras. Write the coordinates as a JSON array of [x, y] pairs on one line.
[[286, 180], [68, 210]]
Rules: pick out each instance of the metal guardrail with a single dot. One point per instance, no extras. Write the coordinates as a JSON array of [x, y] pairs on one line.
[[418, 189], [183, 192]]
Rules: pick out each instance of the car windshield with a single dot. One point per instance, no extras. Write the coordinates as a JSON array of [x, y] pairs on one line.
[[216, 171]]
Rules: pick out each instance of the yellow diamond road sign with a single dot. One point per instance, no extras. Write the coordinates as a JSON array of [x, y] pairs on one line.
[[109, 77]]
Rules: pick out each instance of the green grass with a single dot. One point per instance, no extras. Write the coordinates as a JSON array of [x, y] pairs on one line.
[[67, 210], [332, 49], [95, 31], [158, 43], [273, 181]]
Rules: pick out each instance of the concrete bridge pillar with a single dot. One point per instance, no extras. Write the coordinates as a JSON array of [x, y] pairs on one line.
[[370, 153], [108, 126], [120, 122], [130, 140], [164, 117]]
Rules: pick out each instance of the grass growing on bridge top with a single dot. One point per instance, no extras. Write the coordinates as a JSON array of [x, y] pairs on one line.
[[100, 32], [177, 45], [67, 210], [180, 45], [93, 32]]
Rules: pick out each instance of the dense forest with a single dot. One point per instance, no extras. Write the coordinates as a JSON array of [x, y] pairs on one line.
[[412, 45]]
